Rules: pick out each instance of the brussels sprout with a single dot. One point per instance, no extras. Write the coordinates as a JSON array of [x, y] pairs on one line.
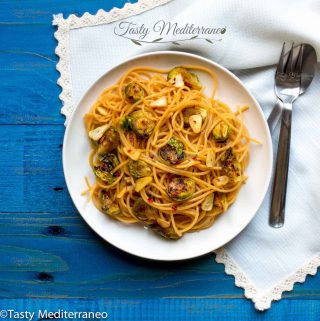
[[141, 123], [144, 212], [109, 141], [125, 123], [107, 205], [103, 169], [167, 233], [190, 111], [230, 164], [109, 162], [139, 169], [181, 188], [221, 132], [190, 79], [103, 175], [173, 151], [134, 92]]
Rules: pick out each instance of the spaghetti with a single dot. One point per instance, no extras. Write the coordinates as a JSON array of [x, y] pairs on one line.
[[164, 153]]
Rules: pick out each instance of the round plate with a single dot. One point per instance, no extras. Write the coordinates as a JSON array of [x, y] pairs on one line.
[[135, 239]]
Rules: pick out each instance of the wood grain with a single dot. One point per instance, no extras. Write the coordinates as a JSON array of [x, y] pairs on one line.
[[49, 258]]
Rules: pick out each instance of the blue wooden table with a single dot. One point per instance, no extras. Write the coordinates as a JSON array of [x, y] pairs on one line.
[[49, 258]]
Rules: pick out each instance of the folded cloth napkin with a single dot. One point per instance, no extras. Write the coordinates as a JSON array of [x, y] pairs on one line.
[[246, 37]]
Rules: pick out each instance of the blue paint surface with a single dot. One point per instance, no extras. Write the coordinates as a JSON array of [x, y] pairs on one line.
[[49, 258]]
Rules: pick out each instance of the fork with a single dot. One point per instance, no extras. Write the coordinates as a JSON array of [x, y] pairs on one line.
[[287, 89]]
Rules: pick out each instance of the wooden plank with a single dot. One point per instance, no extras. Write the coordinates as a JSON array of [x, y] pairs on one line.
[[37, 262], [32, 179]]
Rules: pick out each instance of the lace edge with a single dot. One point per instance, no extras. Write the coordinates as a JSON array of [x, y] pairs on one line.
[[102, 16], [86, 20], [263, 301]]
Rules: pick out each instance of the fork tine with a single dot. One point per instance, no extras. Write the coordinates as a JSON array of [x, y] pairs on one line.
[[290, 66], [282, 61], [298, 67]]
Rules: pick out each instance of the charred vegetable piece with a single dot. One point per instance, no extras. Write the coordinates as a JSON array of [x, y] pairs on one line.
[[109, 141], [103, 175], [221, 132], [134, 92], [141, 123], [144, 212], [231, 165], [181, 188], [109, 162], [173, 151], [190, 79], [107, 205], [139, 169], [190, 111], [167, 233], [106, 164], [125, 124]]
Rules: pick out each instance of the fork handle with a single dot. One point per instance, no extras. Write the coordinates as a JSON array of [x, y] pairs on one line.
[[278, 202], [274, 116]]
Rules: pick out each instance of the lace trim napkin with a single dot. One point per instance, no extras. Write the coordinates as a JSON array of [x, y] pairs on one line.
[[243, 42]]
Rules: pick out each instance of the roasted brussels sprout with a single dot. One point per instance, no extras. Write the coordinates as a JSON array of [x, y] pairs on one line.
[[173, 151], [139, 169], [190, 79], [125, 123], [231, 166], [107, 205], [109, 141], [141, 123], [144, 212], [181, 188], [167, 233], [190, 111], [109, 162], [104, 166], [134, 92], [103, 175], [221, 132]]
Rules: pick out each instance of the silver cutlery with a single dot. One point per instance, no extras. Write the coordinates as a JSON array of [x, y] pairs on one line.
[[309, 60], [287, 89]]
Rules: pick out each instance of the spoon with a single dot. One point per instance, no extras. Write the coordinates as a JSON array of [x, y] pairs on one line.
[[309, 61]]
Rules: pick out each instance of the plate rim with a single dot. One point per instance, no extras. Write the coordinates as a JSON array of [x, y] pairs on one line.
[[216, 65]]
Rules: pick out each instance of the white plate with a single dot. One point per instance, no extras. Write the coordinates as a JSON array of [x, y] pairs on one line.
[[135, 239]]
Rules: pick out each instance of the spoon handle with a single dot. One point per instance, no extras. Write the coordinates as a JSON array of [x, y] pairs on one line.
[[278, 202]]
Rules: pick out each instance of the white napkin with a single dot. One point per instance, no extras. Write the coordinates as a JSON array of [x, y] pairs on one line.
[[264, 261]]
